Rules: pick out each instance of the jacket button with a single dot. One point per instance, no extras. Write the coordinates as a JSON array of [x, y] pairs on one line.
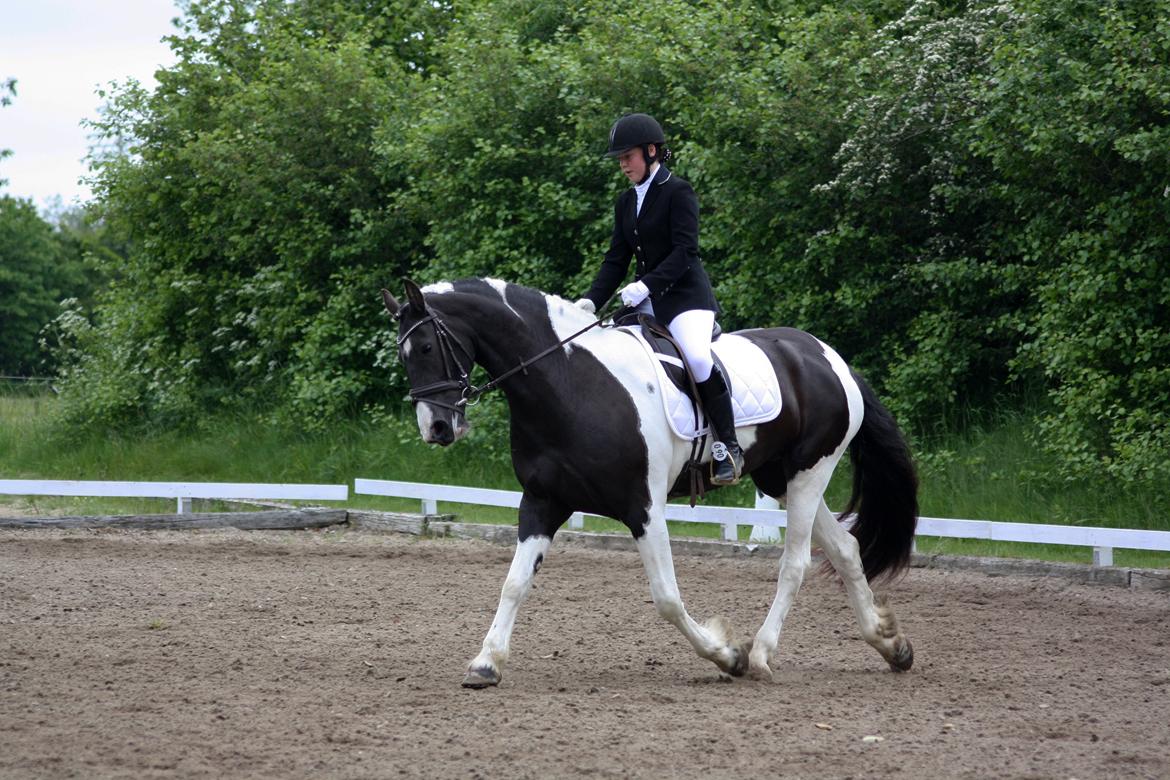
[[639, 249], [635, 231]]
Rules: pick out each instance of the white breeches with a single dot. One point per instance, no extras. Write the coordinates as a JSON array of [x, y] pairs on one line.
[[692, 330]]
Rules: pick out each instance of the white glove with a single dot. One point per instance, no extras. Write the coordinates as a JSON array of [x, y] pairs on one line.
[[586, 305], [634, 293]]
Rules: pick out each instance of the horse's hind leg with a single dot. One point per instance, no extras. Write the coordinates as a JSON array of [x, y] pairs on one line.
[[713, 640], [879, 627], [804, 493]]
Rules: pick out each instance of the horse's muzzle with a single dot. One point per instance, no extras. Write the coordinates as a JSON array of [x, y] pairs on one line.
[[441, 429]]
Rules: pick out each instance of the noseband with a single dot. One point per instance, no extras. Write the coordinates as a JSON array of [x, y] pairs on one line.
[[457, 379]]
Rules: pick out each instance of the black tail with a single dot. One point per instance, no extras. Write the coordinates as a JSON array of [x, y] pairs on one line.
[[885, 491]]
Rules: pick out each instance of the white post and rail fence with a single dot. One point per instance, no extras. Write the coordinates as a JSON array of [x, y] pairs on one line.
[[766, 518], [183, 493]]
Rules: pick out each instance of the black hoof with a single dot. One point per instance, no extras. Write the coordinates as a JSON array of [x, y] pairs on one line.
[[482, 677]]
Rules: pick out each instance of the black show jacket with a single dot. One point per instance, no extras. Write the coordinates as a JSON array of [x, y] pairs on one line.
[[664, 240]]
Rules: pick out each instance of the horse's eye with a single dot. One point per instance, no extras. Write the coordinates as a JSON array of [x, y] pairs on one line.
[[426, 348]]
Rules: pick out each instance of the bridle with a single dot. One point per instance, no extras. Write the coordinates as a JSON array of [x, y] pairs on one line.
[[460, 378], [457, 379]]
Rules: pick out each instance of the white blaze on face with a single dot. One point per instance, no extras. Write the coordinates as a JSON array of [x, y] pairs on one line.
[[425, 413], [426, 416]]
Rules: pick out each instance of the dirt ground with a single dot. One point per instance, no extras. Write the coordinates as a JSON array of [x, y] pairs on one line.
[[339, 654]]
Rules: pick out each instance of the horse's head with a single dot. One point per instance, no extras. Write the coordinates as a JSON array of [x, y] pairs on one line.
[[438, 365]]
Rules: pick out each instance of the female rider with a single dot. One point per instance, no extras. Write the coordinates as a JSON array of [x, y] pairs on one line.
[[656, 223]]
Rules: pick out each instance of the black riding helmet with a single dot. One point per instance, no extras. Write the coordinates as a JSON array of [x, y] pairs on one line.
[[634, 130]]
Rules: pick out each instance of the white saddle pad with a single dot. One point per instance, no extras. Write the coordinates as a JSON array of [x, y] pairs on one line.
[[755, 391]]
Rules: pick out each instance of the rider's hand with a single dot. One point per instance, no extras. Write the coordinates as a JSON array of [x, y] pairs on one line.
[[634, 293], [586, 305]]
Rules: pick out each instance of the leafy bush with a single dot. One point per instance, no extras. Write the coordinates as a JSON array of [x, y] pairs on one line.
[[964, 198]]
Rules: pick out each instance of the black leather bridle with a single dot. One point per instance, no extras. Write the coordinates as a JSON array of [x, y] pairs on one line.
[[457, 379]]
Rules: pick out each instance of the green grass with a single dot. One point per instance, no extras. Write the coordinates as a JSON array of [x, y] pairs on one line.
[[987, 473]]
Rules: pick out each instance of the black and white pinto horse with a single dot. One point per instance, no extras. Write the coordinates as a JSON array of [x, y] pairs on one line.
[[589, 434]]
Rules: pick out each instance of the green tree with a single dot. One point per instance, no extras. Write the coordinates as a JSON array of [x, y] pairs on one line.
[[915, 256], [7, 92], [1078, 129], [35, 274], [259, 229], [963, 197]]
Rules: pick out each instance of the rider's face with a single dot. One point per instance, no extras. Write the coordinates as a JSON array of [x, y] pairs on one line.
[[633, 164]]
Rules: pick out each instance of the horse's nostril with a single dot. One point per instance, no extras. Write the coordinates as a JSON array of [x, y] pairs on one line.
[[441, 432]]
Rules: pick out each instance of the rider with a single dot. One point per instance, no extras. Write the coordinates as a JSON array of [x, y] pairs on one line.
[[656, 222]]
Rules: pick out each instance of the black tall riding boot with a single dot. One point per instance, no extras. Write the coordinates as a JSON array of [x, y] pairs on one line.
[[727, 457]]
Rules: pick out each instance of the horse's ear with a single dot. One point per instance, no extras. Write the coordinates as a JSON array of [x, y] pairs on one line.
[[392, 304], [414, 295]]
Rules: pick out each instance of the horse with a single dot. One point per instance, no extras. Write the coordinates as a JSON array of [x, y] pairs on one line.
[[589, 434]]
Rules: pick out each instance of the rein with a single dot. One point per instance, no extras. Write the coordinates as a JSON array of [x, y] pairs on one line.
[[470, 394]]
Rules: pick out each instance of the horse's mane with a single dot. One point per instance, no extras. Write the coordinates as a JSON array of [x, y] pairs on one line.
[[513, 295]]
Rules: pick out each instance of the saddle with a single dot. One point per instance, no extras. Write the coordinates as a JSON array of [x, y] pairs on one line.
[[670, 356], [751, 378]]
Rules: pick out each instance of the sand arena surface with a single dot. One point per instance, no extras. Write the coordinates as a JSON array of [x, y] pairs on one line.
[[339, 654]]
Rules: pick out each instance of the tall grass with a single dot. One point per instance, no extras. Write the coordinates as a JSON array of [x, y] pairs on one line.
[[987, 472]]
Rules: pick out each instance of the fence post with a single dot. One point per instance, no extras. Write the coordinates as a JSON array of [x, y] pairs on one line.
[[730, 532], [184, 506], [430, 506], [577, 521], [765, 533], [1102, 556]]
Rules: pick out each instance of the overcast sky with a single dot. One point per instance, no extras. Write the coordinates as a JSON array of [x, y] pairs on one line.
[[60, 52]]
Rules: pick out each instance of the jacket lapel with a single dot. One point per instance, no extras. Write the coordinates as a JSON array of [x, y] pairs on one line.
[[630, 215], [652, 194]]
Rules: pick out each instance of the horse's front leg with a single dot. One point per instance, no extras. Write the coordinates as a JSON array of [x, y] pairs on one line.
[[538, 522], [712, 640]]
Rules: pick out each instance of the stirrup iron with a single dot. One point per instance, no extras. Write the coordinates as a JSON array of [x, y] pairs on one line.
[[726, 464]]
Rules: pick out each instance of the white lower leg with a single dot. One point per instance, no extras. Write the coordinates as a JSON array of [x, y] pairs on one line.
[[712, 640], [876, 619], [517, 585], [804, 493], [841, 549], [793, 564]]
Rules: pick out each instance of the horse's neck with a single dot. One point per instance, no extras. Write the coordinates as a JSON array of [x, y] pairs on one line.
[[506, 341], [503, 338]]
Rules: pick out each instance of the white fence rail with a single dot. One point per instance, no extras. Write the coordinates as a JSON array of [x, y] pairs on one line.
[[767, 518], [183, 492]]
